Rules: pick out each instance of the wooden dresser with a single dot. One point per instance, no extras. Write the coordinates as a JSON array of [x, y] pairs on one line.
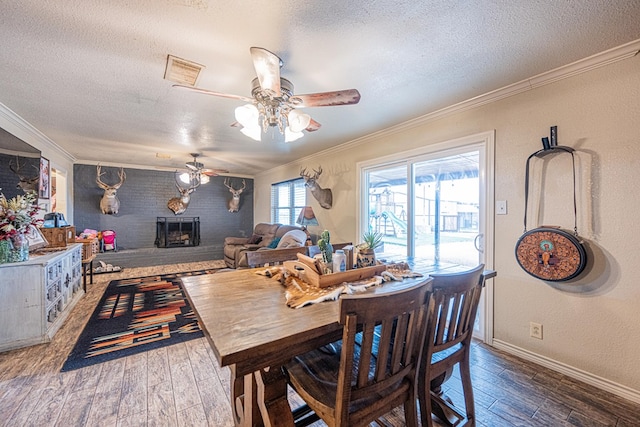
[[36, 296]]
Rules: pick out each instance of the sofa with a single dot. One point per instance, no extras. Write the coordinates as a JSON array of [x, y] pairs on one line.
[[265, 236]]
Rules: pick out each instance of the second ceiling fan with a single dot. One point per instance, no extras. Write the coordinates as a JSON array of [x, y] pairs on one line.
[[273, 102]]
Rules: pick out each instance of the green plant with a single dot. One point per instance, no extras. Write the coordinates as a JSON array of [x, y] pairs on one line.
[[325, 246], [370, 240]]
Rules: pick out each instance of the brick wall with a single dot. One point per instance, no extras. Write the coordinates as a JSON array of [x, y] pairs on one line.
[[144, 196], [30, 167]]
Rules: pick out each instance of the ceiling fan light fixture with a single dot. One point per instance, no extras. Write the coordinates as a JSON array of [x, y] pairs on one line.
[[254, 132], [298, 121], [185, 177], [247, 115], [204, 179]]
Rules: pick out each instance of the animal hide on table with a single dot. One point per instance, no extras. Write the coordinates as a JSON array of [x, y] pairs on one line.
[[300, 294]]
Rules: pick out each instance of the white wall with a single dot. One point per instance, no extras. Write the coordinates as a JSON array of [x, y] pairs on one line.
[[58, 158], [590, 326]]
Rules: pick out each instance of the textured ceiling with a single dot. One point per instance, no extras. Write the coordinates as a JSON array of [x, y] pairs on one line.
[[89, 74]]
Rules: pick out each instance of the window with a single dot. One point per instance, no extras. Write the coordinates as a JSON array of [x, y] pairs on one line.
[[287, 200]]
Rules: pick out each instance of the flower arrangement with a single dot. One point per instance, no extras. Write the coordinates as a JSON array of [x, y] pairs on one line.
[[17, 214]]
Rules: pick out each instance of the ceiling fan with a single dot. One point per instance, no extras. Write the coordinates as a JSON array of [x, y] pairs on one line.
[[274, 103], [197, 174]]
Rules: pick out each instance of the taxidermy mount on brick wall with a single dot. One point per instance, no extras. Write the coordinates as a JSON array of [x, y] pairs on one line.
[[109, 204], [233, 204]]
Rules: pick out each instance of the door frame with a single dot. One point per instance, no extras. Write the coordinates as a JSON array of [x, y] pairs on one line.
[[487, 199]]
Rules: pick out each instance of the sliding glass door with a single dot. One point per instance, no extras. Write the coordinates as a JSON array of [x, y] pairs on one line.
[[431, 204]]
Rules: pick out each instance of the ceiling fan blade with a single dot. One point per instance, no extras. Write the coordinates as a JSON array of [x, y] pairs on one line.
[[267, 65], [327, 99], [214, 172], [210, 92], [313, 126]]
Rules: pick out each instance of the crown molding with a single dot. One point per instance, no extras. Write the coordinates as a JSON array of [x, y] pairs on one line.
[[22, 129], [598, 60]]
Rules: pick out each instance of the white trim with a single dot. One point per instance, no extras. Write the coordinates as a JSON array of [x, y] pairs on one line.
[[570, 371], [486, 140], [489, 230], [22, 129]]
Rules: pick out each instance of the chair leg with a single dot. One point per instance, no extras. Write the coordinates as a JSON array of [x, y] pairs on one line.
[[467, 388], [411, 412], [425, 408]]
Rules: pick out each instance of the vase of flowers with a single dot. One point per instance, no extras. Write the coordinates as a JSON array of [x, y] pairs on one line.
[[16, 216]]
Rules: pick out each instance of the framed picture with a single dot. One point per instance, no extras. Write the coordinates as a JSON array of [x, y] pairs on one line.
[[44, 191], [35, 238]]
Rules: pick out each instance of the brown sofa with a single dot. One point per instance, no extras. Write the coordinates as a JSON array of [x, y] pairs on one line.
[[235, 248]]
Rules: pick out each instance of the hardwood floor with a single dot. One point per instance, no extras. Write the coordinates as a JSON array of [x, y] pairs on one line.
[[183, 385]]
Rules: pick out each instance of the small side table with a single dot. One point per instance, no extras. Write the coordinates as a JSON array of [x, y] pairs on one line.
[[87, 263]]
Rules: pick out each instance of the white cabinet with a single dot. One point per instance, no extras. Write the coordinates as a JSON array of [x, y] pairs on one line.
[[36, 296]]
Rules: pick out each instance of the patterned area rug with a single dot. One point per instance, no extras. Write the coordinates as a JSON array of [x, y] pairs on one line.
[[136, 315]]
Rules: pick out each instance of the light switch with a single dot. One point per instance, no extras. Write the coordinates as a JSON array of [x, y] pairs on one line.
[[501, 207]]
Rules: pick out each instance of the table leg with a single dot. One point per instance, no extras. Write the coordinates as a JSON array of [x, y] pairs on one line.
[[272, 397], [244, 400], [91, 272], [439, 405]]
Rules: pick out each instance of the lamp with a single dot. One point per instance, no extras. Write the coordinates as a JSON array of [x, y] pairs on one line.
[[307, 217]]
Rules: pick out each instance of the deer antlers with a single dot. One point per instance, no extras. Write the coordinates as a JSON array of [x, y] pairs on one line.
[[324, 196], [306, 176], [121, 175], [109, 204], [233, 204], [26, 183]]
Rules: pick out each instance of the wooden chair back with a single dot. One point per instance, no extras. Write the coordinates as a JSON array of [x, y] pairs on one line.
[[448, 337], [378, 361], [273, 256]]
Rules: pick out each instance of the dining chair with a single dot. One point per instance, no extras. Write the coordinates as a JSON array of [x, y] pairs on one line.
[[447, 343], [375, 366]]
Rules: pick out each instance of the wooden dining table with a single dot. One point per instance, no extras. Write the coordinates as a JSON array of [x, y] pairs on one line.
[[250, 328]]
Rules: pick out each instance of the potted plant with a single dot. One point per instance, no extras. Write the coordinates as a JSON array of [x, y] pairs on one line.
[[326, 248], [366, 250]]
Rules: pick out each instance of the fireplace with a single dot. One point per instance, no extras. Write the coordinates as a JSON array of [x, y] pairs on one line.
[[177, 232]]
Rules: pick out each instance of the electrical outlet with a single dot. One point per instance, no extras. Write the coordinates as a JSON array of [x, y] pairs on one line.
[[535, 330], [501, 207]]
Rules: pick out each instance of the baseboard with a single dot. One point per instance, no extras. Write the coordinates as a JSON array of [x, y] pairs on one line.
[[570, 371]]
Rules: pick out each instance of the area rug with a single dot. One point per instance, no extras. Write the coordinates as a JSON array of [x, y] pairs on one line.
[[136, 315]]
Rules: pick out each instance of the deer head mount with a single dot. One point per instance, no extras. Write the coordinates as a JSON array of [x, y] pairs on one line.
[[109, 204], [26, 183], [324, 196], [233, 204], [180, 204]]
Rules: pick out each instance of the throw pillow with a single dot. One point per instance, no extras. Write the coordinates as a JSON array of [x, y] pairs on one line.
[[254, 239], [292, 239], [274, 243]]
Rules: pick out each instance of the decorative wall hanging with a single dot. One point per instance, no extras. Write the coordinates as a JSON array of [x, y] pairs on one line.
[[109, 204], [324, 196], [178, 205], [549, 252], [233, 204]]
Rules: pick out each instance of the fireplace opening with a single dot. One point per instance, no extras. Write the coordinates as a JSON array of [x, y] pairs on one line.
[[177, 232]]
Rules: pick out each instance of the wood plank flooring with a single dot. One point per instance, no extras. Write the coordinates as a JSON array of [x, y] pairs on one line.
[[183, 385]]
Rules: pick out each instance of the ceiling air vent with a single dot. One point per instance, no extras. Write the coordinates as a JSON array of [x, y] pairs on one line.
[[182, 71]]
